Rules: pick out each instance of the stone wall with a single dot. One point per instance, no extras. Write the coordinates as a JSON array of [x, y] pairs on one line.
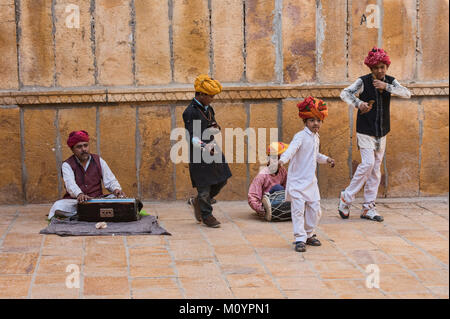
[[124, 70]]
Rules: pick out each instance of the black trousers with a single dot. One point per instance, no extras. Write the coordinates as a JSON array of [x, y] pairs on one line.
[[205, 193]]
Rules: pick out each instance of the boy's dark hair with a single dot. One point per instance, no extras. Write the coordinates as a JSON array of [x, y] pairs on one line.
[[304, 120]]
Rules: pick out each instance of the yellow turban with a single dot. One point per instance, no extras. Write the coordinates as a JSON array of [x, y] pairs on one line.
[[203, 83], [277, 148]]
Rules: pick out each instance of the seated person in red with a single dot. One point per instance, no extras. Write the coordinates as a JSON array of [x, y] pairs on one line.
[[83, 174], [270, 179]]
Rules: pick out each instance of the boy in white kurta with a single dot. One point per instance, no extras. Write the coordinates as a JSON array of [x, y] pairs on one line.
[[301, 187]]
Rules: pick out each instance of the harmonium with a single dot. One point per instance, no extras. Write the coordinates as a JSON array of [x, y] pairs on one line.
[[109, 210]]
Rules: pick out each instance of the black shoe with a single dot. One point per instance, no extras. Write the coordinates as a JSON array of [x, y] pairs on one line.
[[193, 201], [313, 241], [211, 221], [300, 246]]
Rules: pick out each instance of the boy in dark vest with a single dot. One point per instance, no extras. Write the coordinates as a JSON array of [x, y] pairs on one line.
[[372, 126], [83, 174]]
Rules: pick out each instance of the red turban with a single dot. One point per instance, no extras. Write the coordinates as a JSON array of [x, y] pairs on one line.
[[76, 137], [311, 107], [376, 56]]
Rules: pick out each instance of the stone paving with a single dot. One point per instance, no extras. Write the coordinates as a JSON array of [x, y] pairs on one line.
[[245, 258]]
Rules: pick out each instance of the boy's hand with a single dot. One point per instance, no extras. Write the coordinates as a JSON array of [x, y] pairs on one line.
[[330, 161], [364, 107], [379, 84]]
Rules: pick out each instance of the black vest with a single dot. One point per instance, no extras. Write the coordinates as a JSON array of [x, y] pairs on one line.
[[376, 122]]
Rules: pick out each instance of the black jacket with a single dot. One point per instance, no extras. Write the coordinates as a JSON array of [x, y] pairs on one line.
[[202, 173], [376, 122]]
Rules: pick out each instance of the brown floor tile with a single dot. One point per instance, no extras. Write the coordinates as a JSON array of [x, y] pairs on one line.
[[257, 292], [360, 256], [154, 283], [300, 283], [100, 286], [146, 241], [145, 256], [305, 294], [197, 268], [416, 261], [337, 269], [246, 281], [280, 269], [57, 264], [206, 288], [21, 242], [352, 288], [158, 293], [245, 258], [433, 277], [242, 269], [52, 279], [54, 292], [439, 291], [15, 286], [401, 283], [124, 296], [16, 263], [411, 296], [150, 271]]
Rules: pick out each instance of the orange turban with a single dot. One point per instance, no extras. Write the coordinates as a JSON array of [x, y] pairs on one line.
[[203, 83], [277, 148], [311, 107]]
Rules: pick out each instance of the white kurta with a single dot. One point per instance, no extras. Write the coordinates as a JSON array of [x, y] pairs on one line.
[[303, 156], [70, 205]]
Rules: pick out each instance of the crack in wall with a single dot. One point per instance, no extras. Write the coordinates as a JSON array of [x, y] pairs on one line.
[[138, 153], [17, 10], [58, 153], [54, 19], [244, 49], [22, 155], [93, 40], [211, 44], [172, 58], [133, 40]]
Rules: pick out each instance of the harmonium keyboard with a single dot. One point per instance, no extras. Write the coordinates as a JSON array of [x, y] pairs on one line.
[[108, 210]]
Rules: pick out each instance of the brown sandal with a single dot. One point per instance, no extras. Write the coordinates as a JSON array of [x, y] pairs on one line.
[[313, 241]]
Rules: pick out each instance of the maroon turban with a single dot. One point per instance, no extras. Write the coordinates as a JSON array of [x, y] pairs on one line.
[[376, 56], [76, 137]]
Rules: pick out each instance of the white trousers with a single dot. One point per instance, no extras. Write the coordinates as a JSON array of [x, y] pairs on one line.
[[305, 217], [368, 173], [66, 205]]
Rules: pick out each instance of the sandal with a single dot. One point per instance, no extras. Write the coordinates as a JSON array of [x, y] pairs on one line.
[[313, 241], [300, 246]]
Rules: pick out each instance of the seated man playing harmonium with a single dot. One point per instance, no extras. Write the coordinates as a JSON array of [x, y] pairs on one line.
[[83, 173], [266, 194]]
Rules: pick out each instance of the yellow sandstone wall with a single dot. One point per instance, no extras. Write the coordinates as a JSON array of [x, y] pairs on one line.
[[124, 71]]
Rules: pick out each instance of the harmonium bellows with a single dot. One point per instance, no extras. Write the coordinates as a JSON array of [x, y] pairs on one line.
[[108, 210]]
